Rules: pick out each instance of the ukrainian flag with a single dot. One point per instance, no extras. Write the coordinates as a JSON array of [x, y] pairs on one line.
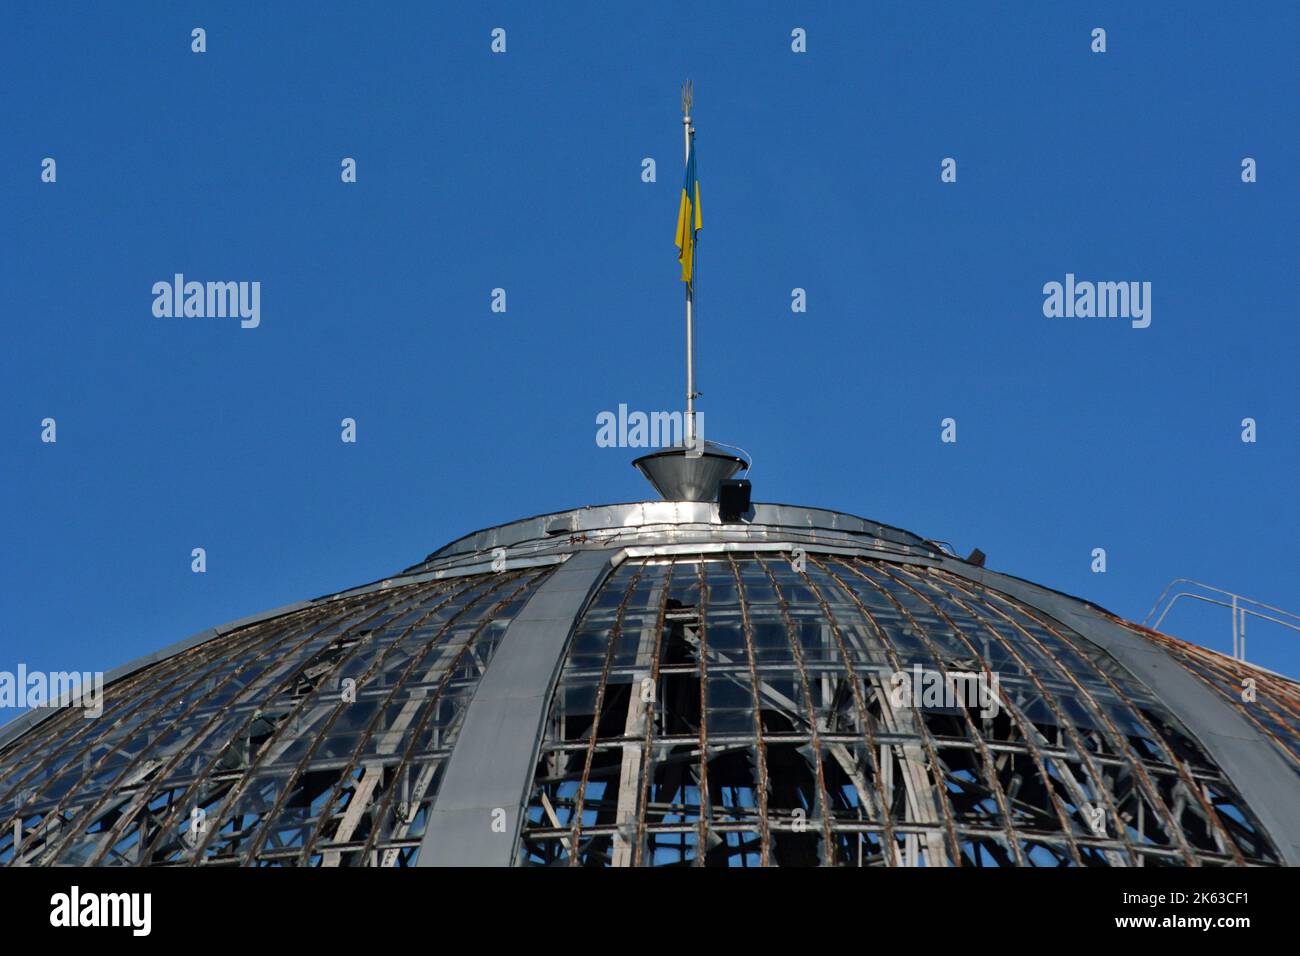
[[688, 218]]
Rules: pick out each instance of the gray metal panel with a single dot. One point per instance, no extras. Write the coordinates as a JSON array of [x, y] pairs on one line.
[[653, 517], [1264, 779], [491, 767]]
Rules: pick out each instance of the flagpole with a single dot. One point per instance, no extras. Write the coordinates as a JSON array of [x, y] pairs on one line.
[[687, 132]]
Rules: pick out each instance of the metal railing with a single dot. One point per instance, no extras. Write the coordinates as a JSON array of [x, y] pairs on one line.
[[1238, 604]]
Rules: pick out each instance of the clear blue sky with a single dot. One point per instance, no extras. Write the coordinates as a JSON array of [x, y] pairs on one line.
[[522, 171]]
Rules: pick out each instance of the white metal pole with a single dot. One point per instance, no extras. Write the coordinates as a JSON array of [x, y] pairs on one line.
[[687, 132], [1236, 655]]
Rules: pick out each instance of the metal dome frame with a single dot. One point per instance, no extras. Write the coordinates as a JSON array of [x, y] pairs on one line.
[[492, 765]]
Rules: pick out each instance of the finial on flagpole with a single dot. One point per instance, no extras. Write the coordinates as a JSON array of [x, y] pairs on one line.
[[688, 98]]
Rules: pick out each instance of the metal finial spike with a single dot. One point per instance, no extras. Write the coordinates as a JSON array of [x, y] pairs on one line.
[[688, 98]]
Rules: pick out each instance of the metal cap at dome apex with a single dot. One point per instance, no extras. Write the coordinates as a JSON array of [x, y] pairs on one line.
[[680, 476]]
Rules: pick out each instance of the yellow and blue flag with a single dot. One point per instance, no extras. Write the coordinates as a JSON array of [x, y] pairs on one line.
[[688, 218]]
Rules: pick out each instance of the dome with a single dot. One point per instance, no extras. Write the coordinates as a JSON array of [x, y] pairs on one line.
[[648, 685]]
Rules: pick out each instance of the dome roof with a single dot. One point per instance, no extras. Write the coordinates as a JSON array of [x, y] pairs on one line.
[[642, 684]]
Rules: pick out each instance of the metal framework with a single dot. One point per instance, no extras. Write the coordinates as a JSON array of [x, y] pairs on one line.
[[734, 711], [641, 685], [256, 736]]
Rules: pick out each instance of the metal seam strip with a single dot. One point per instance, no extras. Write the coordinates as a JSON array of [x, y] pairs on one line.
[[490, 771]]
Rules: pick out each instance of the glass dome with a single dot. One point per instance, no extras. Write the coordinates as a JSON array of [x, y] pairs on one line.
[[258, 730], [749, 714], [645, 685]]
